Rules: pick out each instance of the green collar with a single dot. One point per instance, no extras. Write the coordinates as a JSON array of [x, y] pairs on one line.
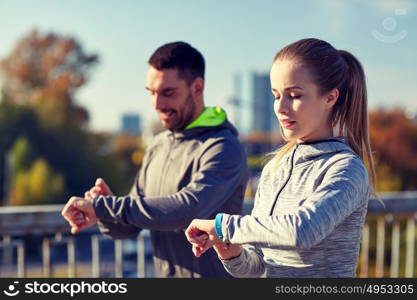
[[210, 117]]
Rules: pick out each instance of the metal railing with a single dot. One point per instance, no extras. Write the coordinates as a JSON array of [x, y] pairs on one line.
[[386, 230]]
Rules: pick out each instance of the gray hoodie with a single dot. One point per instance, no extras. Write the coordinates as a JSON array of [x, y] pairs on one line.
[[188, 174], [308, 215]]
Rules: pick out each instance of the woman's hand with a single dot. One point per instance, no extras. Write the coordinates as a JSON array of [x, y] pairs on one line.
[[201, 234], [227, 250]]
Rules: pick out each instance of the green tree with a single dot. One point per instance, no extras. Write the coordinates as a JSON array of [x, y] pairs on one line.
[[38, 185], [21, 156]]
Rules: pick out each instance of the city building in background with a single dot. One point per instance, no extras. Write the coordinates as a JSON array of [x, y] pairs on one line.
[[131, 124], [264, 119]]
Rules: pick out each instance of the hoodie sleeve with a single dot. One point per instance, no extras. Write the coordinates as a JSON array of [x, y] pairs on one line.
[[222, 167], [249, 264], [344, 189], [118, 230]]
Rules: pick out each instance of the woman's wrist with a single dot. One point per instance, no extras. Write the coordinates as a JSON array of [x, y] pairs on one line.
[[227, 251], [218, 225]]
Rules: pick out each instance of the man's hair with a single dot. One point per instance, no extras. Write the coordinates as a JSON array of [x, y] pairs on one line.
[[181, 56]]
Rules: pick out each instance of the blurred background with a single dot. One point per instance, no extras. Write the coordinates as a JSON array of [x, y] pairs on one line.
[[73, 107]]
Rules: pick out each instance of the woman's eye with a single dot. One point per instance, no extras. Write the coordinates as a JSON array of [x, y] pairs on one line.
[[295, 96]]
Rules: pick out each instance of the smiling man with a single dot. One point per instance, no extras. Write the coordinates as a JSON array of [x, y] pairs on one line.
[[194, 169]]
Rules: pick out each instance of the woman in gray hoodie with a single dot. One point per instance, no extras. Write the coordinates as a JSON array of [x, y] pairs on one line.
[[312, 197]]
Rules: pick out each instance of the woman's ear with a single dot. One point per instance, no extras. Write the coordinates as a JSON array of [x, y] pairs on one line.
[[330, 98]]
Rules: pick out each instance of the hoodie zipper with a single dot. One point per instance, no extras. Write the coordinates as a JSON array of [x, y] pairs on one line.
[[285, 183], [166, 164]]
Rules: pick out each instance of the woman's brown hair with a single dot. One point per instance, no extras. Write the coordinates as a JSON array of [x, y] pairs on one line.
[[336, 69]]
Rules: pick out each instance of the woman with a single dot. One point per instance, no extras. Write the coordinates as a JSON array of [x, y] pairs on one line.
[[312, 197]]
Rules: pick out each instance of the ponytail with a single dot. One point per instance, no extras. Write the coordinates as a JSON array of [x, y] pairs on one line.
[[352, 115], [339, 69]]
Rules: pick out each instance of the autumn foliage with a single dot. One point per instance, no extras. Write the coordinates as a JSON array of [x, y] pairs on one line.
[[44, 71], [394, 143]]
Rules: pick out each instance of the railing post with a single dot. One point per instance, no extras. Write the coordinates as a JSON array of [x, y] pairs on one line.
[[71, 258], [409, 258], [118, 258], [365, 251], [46, 257], [140, 252], [395, 249], [380, 247], [20, 259], [95, 256], [7, 257]]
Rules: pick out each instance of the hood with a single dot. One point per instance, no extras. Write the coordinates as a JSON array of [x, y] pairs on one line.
[[311, 150], [210, 118]]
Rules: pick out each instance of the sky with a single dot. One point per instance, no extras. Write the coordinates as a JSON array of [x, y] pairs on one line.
[[235, 37]]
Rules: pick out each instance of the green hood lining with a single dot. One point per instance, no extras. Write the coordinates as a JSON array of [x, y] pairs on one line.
[[210, 117]]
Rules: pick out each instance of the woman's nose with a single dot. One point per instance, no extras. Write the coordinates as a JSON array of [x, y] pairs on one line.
[[281, 106]]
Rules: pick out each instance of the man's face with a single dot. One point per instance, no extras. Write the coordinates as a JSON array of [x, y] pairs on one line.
[[171, 98]]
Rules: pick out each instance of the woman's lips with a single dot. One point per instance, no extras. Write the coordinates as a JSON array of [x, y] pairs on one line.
[[287, 123]]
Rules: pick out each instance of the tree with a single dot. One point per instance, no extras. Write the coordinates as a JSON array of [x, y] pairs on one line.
[[394, 140], [45, 71], [21, 156], [39, 185]]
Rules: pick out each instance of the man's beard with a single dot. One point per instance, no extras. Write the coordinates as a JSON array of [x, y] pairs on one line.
[[186, 115]]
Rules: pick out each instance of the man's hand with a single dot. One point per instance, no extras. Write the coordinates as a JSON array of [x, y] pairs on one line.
[[80, 214], [100, 188]]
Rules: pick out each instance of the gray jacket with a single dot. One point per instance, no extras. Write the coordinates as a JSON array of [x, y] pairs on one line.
[[308, 215], [190, 174]]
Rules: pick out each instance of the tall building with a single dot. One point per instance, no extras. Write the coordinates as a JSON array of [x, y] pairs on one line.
[[131, 124], [235, 102], [264, 119]]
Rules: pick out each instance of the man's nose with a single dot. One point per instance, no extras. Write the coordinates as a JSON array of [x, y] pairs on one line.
[[158, 102]]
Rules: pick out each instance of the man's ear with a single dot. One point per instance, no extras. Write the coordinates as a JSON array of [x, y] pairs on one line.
[[197, 88], [330, 98]]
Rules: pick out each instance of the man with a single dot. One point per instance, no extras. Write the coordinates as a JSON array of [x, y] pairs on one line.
[[194, 169]]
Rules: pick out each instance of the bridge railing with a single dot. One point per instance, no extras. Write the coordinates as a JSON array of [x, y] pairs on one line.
[[387, 248]]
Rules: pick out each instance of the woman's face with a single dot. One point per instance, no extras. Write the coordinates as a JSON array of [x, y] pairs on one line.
[[301, 111]]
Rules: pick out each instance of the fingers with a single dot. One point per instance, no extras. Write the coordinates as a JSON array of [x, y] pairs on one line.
[[87, 195], [105, 190], [69, 208], [100, 188], [73, 215], [196, 250], [84, 205], [194, 235], [96, 191], [79, 213], [78, 218], [92, 193], [199, 250], [76, 228], [227, 250]]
